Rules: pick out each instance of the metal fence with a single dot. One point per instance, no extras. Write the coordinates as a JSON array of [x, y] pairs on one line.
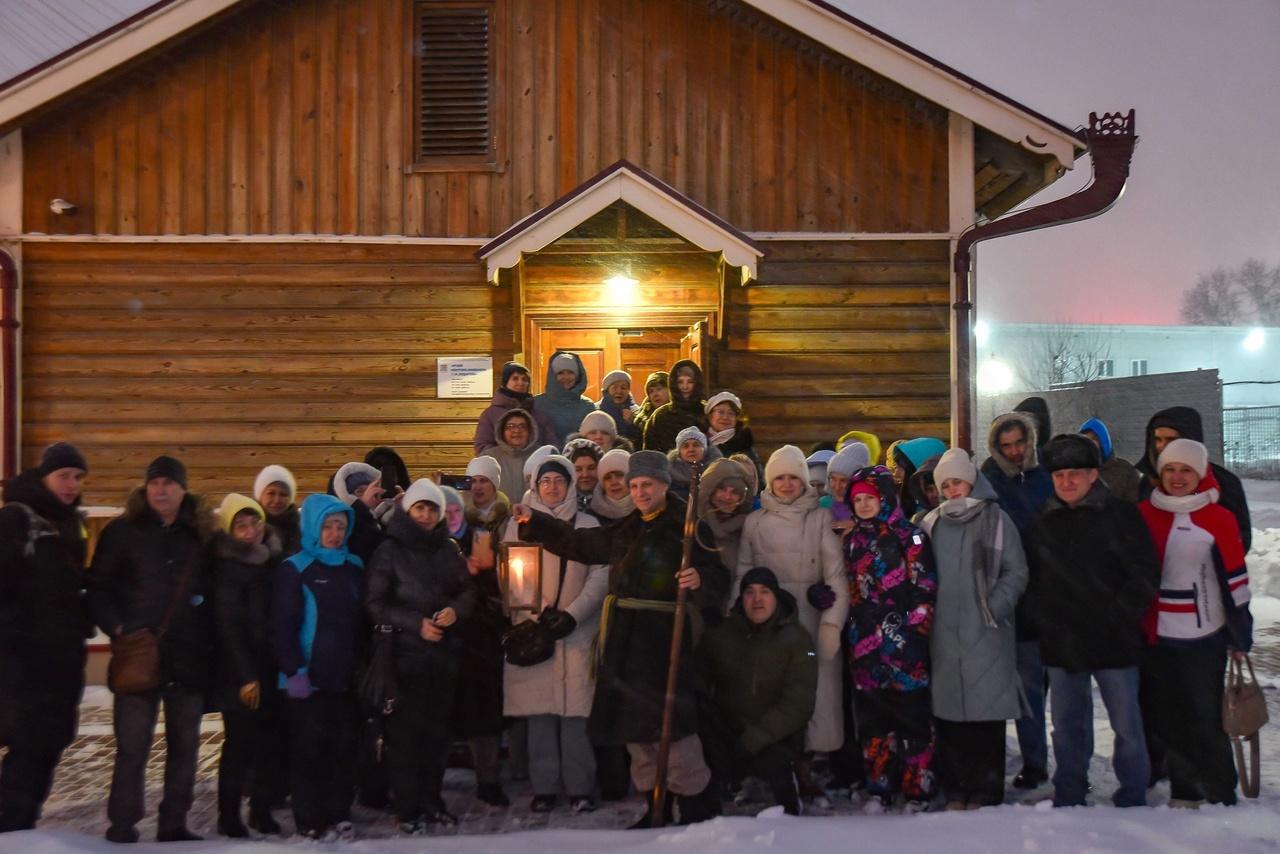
[[1251, 441]]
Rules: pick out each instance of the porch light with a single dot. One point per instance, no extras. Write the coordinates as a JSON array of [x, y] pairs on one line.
[[994, 376], [620, 289], [1255, 340], [520, 577]]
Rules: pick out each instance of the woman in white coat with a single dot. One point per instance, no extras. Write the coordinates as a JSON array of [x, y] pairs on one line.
[[791, 534], [555, 696]]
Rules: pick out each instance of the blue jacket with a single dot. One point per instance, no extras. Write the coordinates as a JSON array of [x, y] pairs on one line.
[[317, 620]]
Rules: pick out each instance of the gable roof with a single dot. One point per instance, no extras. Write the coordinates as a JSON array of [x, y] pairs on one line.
[[626, 182], [817, 19]]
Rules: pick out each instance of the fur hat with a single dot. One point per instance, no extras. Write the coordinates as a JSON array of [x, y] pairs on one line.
[[853, 456], [487, 468], [786, 460], [691, 433], [955, 463], [234, 504], [423, 489], [614, 377], [165, 466], [1070, 451], [616, 460], [1189, 452], [723, 397], [61, 455], [275, 474], [563, 362], [649, 464], [598, 420]]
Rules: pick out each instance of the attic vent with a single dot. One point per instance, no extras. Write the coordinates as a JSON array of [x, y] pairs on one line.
[[453, 79]]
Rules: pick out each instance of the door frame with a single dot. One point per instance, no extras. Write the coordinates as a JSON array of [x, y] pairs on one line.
[[536, 321]]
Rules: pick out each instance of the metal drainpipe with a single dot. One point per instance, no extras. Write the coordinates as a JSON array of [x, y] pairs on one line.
[[1111, 139], [9, 354]]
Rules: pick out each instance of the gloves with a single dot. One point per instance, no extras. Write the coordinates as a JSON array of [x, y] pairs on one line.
[[559, 624], [828, 641], [298, 686], [821, 596]]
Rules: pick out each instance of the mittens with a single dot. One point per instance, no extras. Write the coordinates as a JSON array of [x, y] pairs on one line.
[[298, 686], [559, 624], [828, 641], [821, 596]]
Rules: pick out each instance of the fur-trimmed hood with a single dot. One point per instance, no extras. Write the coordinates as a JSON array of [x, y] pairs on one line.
[[1032, 458], [194, 512]]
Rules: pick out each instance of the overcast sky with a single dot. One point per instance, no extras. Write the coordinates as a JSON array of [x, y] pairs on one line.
[[1204, 76]]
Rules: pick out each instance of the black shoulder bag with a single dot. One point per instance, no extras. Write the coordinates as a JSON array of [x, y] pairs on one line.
[[529, 643]]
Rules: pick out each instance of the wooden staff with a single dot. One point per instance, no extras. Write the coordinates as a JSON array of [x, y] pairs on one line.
[[673, 664]]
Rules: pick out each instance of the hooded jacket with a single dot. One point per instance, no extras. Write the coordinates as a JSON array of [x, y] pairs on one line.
[[646, 410], [1187, 422], [910, 455], [761, 680], [669, 419], [512, 460], [918, 485], [1122, 478], [44, 616], [728, 531], [1038, 409], [414, 574], [136, 566], [892, 588], [1094, 575], [1021, 491], [1204, 583], [796, 541], [564, 407], [317, 624], [504, 400], [626, 429], [243, 576], [982, 574]]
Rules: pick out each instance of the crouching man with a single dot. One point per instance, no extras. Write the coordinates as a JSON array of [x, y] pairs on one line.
[[761, 676]]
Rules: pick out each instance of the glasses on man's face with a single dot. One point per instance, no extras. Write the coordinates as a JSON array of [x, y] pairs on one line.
[[552, 480], [518, 427]]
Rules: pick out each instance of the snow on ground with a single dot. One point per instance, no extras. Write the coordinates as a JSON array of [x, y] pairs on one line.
[[1264, 556]]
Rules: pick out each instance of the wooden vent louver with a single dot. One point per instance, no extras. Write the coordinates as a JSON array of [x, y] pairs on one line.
[[453, 72]]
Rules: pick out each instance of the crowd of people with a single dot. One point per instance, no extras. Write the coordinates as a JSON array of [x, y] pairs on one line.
[[859, 618]]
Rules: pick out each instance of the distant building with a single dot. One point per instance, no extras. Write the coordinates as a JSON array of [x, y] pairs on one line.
[[1038, 356]]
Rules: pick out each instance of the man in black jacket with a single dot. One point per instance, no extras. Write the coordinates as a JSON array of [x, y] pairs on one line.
[[643, 551], [1094, 575], [43, 624], [150, 572]]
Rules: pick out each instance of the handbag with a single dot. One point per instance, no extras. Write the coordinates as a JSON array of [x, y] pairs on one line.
[[377, 685], [135, 655], [528, 643], [1244, 713]]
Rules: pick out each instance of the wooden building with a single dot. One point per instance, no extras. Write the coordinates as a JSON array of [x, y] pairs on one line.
[[285, 211]]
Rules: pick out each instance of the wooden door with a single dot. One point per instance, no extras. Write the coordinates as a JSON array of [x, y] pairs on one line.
[[598, 348], [693, 345], [648, 350]]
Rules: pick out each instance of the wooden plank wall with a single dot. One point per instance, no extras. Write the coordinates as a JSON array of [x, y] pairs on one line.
[[233, 357], [288, 117], [837, 336]]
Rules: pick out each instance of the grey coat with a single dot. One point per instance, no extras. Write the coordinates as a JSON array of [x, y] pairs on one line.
[[974, 667]]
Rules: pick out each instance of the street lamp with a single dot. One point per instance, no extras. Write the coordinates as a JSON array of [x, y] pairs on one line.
[[520, 578]]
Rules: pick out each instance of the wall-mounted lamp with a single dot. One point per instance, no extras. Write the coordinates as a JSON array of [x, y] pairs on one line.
[[62, 206], [620, 289]]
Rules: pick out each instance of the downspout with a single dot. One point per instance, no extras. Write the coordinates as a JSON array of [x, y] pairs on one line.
[[1110, 141], [9, 357]]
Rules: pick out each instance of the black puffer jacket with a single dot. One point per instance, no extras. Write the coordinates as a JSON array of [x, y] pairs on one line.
[[43, 611], [1187, 422], [670, 418], [243, 577], [414, 574], [288, 527], [1094, 575], [136, 568]]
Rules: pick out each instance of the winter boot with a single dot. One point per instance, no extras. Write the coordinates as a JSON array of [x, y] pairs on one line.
[[230, 825], [703, 806], [786, 792], [261, 819], [646, 820]]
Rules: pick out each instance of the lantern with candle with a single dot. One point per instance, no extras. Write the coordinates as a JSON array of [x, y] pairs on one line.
[[520, 578]]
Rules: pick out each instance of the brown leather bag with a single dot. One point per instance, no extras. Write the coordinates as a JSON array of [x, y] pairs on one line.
[[1244, 713], [135, 656]]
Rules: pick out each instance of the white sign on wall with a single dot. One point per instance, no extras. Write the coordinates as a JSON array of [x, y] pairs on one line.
[[464, 376]]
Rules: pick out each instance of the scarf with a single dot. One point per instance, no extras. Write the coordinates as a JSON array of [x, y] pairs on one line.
[[1183, 503], [611, 508], [721, 437], [985, 542]]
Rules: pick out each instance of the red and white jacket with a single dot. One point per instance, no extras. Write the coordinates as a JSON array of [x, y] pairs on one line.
[[1204, 584]]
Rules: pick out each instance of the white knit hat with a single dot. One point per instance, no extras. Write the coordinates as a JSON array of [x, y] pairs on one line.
[[564, 362], [691, 433], [955, 463], [614, 377], [423, 489], [723, 397], [853, 456], [275, 474], [1189, 452], [487, 468], [613, 461], [786, 460], [536, 459], [598, 420]]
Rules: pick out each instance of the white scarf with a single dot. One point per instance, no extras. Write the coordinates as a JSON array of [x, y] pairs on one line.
[[721, 437], [1183, 503], [611, 508]]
